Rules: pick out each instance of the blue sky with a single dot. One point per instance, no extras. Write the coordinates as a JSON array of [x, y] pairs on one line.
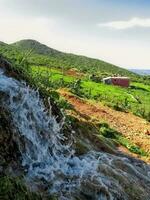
[[117, 31]]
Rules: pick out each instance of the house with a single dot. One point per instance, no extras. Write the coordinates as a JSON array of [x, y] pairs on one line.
[[120, 81]]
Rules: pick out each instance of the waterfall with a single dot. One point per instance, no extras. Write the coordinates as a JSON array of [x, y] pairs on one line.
[[49, 159]]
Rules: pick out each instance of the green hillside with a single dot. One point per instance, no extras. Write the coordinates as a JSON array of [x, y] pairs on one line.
[[2, 43], [60, 59], [31, 52]]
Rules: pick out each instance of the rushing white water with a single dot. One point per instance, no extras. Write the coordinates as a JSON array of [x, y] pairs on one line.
[[48, 159]]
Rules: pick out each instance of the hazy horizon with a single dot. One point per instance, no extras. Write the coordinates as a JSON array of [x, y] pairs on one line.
[[114, 31]]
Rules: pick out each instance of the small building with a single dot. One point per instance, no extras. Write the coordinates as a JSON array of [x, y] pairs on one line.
[[120, 81]]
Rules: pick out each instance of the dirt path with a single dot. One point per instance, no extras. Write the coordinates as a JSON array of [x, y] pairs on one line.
[[131, 126]]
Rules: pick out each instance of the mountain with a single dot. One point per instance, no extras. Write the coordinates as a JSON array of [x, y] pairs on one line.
[[35, 46], [141, 71], [40, 54]]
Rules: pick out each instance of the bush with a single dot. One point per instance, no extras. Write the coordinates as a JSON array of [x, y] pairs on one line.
[[107, 132]]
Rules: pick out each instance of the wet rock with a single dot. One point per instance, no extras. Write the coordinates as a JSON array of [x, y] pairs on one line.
[[9, 153]]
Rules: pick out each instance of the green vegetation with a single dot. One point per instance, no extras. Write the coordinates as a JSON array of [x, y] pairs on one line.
[[110, 133], [51, 78], [13, 188], [43, 55], [135, 98]]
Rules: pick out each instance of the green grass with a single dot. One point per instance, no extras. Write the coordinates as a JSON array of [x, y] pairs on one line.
[[141, 86], [51, 76], [135, 99]]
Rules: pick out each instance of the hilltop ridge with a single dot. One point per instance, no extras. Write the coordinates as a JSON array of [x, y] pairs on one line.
[[36, 46]]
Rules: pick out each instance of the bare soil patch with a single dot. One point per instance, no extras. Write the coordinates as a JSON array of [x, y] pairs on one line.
[[132, 127]]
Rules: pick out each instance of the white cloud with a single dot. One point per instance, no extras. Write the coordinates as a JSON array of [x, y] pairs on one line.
[[134, 22]]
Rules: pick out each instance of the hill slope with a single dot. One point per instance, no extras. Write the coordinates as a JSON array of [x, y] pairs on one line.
[[134, 128], [59, 59], [2, 43]]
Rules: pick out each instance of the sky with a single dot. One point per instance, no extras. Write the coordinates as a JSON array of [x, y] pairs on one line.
[[116, 31]]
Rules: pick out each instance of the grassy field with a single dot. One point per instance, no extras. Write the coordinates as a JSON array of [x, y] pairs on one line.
[[136, 98]]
